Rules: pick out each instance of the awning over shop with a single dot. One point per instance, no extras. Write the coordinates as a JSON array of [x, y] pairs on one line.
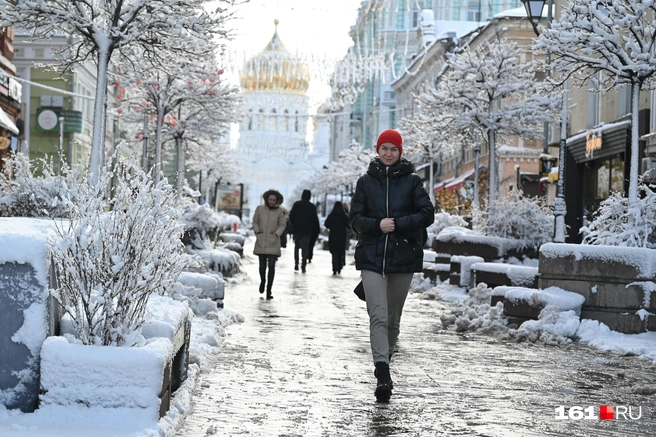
[[454, 183], [6, 123]]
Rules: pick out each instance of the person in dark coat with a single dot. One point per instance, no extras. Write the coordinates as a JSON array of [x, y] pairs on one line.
[[337, 223], [305, 223], [389, 211], [269, 222]]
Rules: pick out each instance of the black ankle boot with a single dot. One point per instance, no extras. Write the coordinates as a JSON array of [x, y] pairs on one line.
[[384, 382], [390, 381], [262, 287]]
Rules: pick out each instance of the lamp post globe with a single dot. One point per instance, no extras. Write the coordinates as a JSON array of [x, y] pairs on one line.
[[534, 10]]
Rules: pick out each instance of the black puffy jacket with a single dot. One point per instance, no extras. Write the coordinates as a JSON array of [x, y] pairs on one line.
[[397, 192]]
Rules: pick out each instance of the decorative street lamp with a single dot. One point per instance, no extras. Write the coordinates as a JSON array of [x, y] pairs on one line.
[[534, 12]]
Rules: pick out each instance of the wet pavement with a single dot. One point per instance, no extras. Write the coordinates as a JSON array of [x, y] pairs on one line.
[[300, 365]]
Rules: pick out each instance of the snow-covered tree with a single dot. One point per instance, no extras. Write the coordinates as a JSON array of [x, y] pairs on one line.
[[187, 99], [611, 43], [102, 28], [110, 256], [430, 135], [618, 222], [351, 164], [493, 92]]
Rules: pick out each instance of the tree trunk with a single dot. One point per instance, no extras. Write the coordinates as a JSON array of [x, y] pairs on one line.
[[492, 170], [633, 170], [98, 138], [180, 163], [157, 168]]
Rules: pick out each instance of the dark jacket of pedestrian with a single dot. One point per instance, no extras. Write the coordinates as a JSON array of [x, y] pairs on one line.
[[303, 216], [337, 223], [390, 192], [305, 222], [269, 224]]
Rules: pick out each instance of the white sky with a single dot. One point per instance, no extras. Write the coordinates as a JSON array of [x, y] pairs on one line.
[[314, 29]]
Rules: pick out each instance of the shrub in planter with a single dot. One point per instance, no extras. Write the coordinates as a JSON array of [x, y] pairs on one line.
[[519, 218], [121, 244]]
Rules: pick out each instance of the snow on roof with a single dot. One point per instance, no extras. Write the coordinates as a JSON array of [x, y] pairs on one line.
[[599, 129]]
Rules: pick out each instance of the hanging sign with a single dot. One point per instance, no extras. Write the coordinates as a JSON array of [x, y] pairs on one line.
[[592, 143]]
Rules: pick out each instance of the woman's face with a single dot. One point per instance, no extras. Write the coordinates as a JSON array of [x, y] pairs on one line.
[[272, 199], [388, 153]]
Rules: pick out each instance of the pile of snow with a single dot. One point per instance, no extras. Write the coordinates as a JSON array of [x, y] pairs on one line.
[[558, 322]]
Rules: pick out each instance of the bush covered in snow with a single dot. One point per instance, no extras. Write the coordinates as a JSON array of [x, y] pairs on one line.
[[616, 223], [51, 195], [517, 217], [200, 223], [443, 220], [121, 244]]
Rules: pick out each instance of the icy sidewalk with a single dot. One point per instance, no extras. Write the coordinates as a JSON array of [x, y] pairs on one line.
[[301, 365]]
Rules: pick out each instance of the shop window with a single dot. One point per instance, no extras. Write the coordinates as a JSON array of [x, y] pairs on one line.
[[603, 180], [617, 175]]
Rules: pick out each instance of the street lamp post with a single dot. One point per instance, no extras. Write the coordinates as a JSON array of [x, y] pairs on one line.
[[534, 12]]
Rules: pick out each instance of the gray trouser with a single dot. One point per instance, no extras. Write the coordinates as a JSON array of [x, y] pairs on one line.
[[385, 299]]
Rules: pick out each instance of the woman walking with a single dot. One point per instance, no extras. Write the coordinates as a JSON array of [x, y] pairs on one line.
[[389, 210], [337, 223], [269, 223]]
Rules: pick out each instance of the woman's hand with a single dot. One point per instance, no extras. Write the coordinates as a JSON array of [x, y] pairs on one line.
[[387, 225]]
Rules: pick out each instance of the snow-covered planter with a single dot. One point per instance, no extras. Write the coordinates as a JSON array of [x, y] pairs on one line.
[[140, 377], [220, 260], [28, 314], [617, 282], [466, 242]]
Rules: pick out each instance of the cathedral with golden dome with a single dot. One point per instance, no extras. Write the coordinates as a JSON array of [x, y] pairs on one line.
[[273, 148]]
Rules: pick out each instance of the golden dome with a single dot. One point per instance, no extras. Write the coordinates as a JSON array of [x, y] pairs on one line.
[[275, 69]]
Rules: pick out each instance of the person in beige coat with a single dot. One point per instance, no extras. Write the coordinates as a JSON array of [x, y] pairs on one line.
[[269, 223]]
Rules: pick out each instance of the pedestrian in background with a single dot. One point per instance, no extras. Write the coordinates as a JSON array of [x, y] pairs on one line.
[[337, 224], [389, 211], [305, 222], [269, 223]]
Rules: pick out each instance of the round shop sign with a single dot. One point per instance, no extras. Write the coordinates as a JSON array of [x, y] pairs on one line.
[[47, 119]]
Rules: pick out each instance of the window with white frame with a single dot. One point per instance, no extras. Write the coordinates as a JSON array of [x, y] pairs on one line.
[[474, 11]]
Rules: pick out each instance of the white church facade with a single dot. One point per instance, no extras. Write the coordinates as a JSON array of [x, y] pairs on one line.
[[272, 148]]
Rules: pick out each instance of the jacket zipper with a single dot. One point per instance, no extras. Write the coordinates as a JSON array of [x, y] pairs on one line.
[[386, 215]]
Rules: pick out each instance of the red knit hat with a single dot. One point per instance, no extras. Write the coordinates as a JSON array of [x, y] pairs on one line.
[[390, 136]]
